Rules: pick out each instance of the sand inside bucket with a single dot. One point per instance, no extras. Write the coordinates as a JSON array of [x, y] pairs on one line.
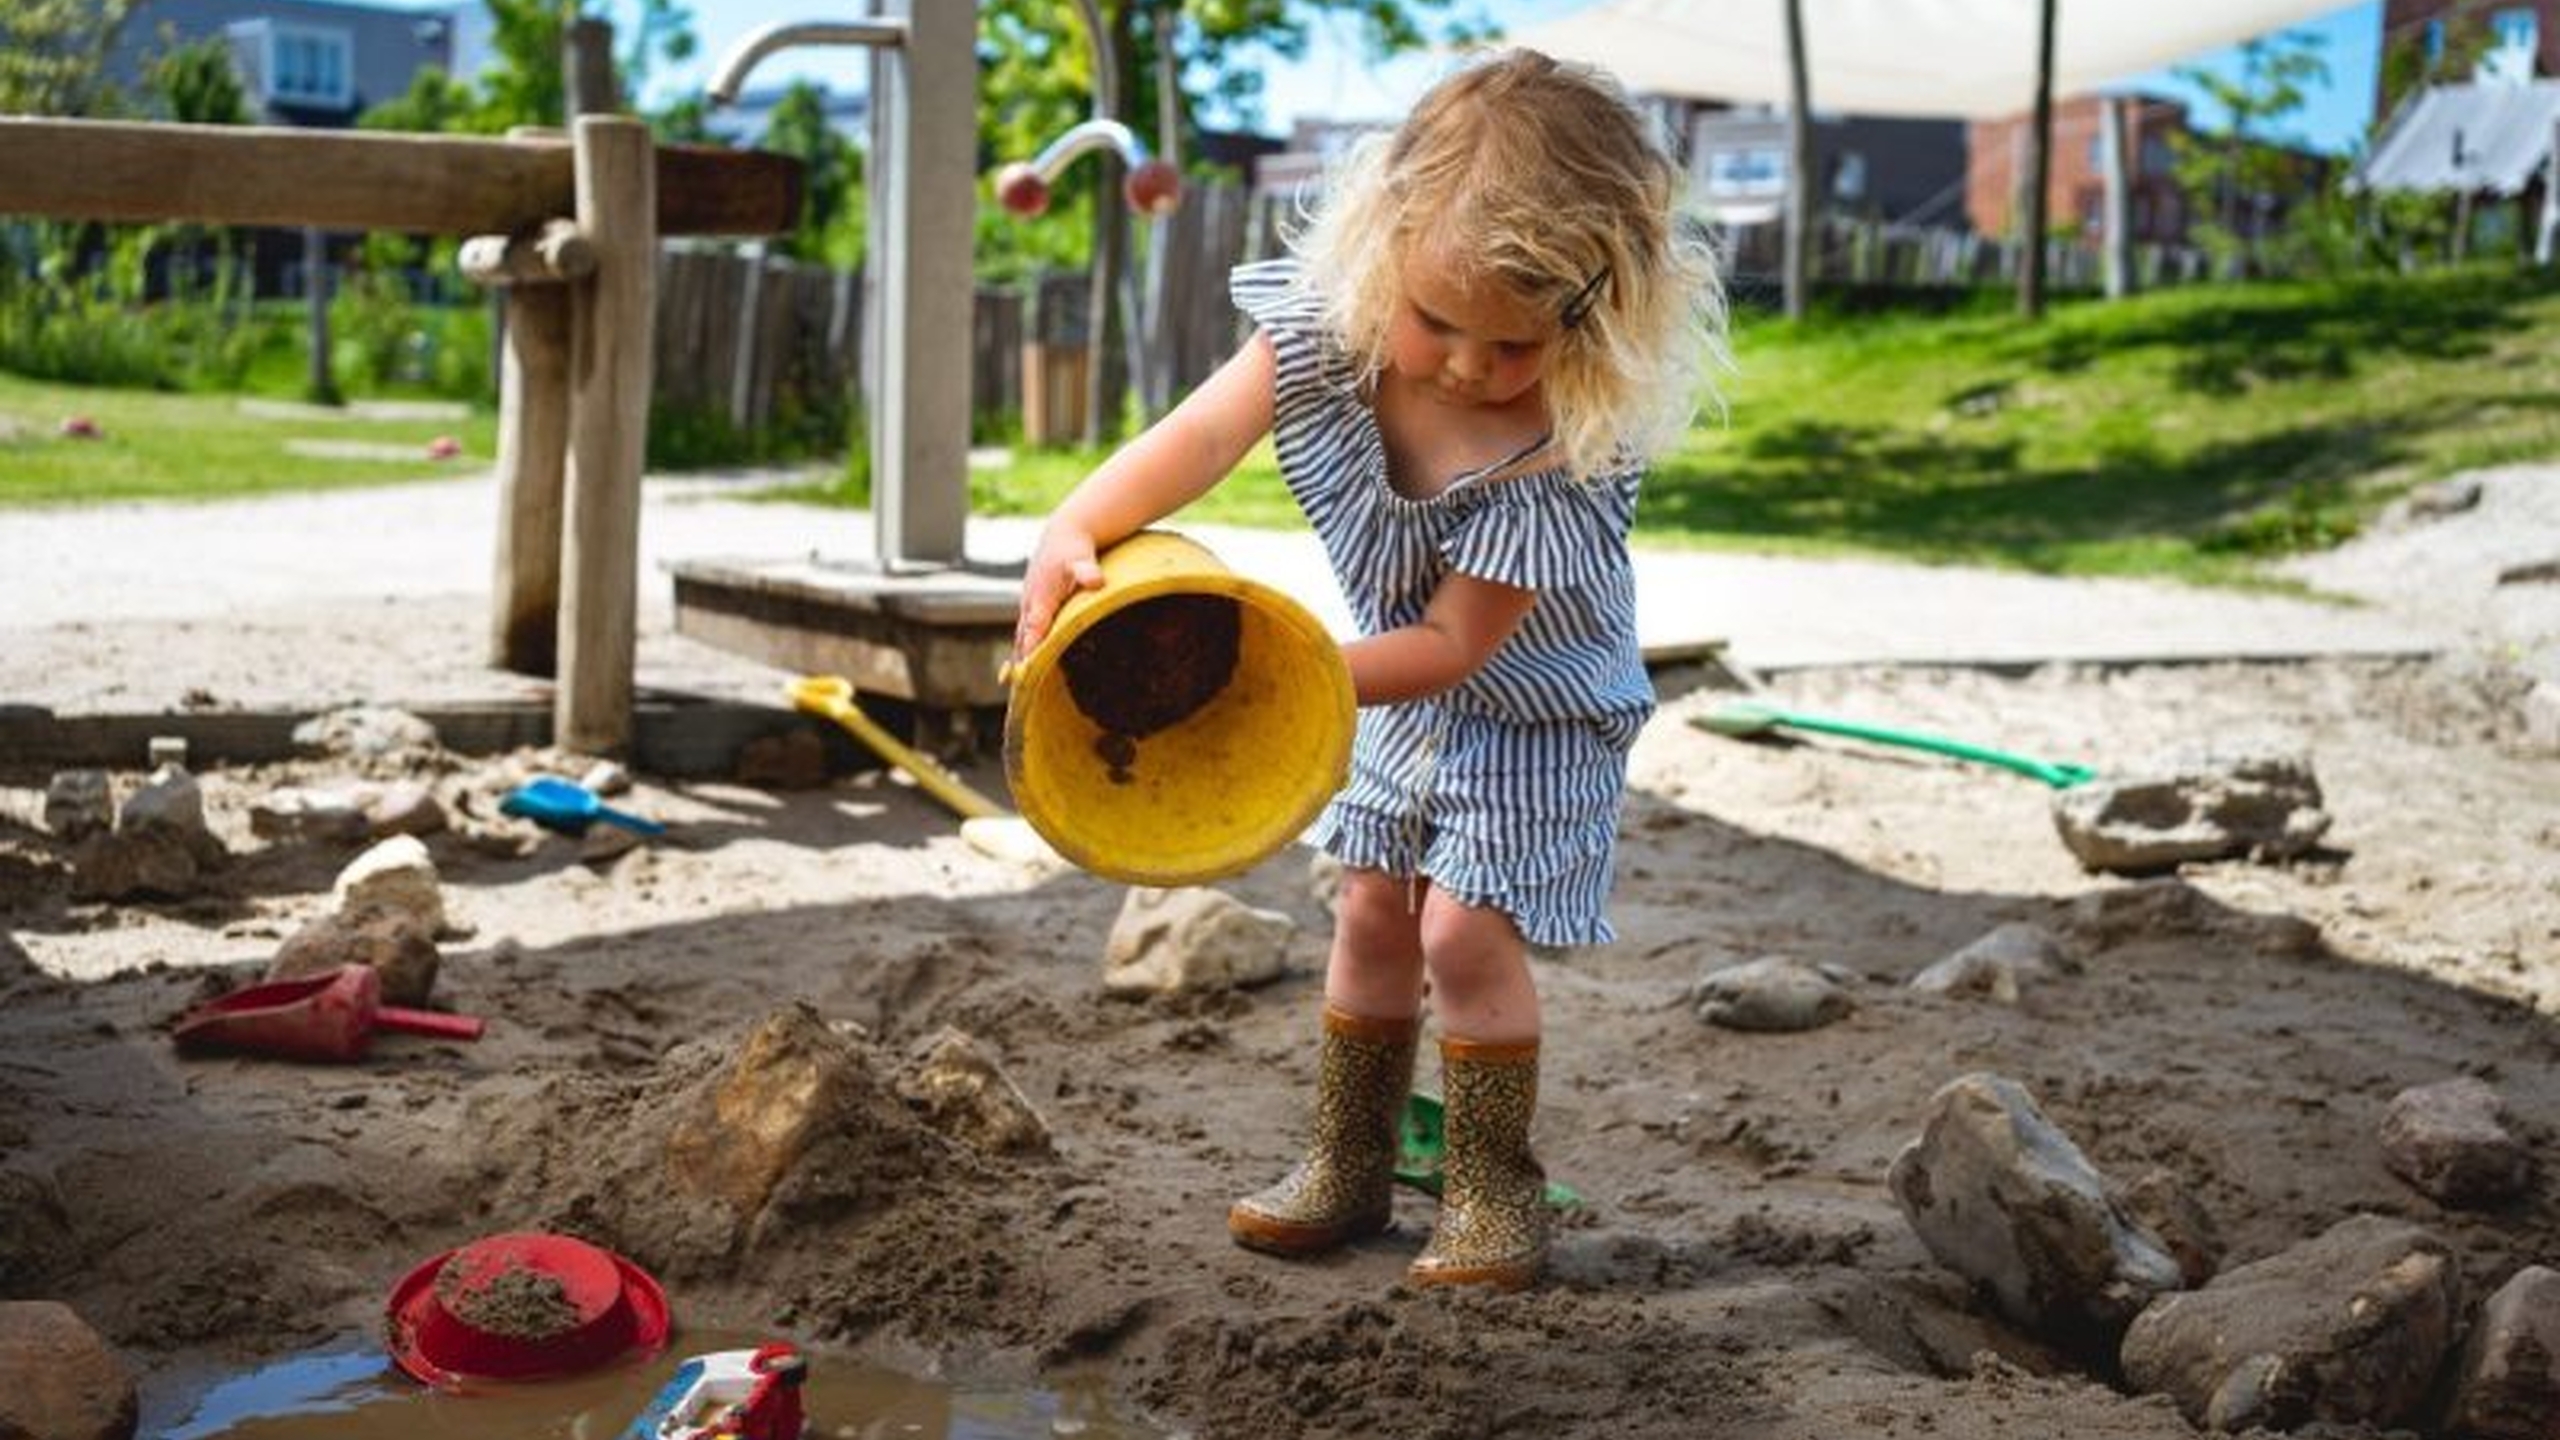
[[1151, 666]]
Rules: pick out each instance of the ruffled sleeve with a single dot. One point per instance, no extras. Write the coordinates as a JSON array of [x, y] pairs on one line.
[[1543, 532], [1269, 294]]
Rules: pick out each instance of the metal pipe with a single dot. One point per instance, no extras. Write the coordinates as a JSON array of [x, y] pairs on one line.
[[784, 35], [1083, 138]]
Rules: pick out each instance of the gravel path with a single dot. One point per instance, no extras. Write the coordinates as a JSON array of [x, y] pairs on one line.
[[382, 594]]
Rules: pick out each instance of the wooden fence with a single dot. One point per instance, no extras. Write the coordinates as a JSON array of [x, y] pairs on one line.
[[1869, 254], [738, 330], [741, 332]]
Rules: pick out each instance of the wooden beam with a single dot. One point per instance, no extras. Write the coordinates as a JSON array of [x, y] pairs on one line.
[[360, 180]]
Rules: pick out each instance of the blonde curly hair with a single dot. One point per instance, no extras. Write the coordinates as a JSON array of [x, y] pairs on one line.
[[1542, 176]]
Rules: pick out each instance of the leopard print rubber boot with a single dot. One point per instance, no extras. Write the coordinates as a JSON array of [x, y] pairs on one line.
[[1345, 1187], [1493, 1222]]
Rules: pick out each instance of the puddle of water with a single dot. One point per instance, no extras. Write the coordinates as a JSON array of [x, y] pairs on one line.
[[351, 1391]]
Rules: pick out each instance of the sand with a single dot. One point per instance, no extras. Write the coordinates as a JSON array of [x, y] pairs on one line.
[[1739, 1268]]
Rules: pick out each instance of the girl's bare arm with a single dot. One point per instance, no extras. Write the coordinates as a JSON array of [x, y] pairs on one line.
[[1466, 621], [1176, 461]]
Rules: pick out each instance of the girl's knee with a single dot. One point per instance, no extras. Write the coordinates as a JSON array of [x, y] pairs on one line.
[[1469, 946]]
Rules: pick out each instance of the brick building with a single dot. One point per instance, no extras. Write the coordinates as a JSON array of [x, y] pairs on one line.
[[2075, 174], [2524, 39]]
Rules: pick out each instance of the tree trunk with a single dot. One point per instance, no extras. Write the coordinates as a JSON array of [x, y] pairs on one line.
[[2039, 167], [1107, 375], [1800, 177]]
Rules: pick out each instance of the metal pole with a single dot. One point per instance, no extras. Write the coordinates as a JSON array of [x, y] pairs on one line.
[[1799, 218], [2039, 167]]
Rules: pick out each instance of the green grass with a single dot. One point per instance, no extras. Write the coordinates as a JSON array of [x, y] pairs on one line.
[[161, 446], [2190, 433]]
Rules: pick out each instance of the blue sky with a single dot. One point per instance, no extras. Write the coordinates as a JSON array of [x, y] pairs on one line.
[[1334, 81]]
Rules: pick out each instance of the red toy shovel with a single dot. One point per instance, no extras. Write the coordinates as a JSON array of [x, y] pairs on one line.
[[320, 1017]]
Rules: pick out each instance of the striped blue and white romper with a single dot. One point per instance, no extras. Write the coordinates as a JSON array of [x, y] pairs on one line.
[[1504, 790]]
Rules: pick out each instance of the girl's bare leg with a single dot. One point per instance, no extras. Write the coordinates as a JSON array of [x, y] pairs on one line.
[[1479, 968], [1375, 970]]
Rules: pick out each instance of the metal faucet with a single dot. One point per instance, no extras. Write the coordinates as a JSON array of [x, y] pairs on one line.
[[786, 35]]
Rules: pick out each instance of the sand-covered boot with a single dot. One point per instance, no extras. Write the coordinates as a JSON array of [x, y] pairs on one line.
[[1493, 1222], [1345, 1188]]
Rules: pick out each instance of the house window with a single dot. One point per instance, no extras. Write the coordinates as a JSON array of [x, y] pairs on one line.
[[1734, 174], [2158, 158], [308, 66]]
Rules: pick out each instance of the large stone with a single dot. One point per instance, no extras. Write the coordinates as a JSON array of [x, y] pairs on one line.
[[794, 759], [965, 1094], [365, 732], [79, 804], [1774, 992], [2450, 1140], [35, 1232], [2508, 1385], [312, 814], [396, 874], [1998, 966], [782, 1094], [2209, 803], [2002, 1197], [58, 1380], [393, 942], [2349, 1328], [123, 865], [1178, 941]]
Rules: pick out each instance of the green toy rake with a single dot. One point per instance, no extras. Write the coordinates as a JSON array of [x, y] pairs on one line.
[[1422, 1144], [1745, 718]]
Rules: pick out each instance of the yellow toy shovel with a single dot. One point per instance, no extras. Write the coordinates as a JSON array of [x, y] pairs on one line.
[[988, 827]]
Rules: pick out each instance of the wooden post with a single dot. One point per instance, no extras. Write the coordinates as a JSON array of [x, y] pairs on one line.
[[322, 383], [609, 347], [2039, 166], [586, 54], [2118, 178], [1799, 223], [533, 452], [533, 433]]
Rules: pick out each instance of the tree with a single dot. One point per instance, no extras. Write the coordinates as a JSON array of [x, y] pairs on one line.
[[831, 225], [2228, 177], [53, 55], [1038, 73], [2446, 48], [526, 83], [197, 83]]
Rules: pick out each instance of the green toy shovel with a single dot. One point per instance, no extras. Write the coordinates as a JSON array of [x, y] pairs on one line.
[[1422, 1146], [1743, 718]]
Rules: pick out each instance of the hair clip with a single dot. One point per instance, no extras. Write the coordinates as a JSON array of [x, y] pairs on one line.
[[1583, 299]]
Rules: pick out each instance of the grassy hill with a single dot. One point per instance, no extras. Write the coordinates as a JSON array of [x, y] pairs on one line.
[[2191, 432]]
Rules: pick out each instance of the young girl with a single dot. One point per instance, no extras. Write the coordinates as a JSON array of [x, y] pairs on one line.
[[1492, 320]]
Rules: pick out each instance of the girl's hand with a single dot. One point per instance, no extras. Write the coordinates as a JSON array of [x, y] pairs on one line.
[[1061, 564]]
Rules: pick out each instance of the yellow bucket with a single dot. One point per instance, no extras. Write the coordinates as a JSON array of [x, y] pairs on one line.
[[1178, 724]]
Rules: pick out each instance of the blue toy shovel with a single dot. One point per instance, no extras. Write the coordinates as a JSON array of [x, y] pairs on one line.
[[569, 807]]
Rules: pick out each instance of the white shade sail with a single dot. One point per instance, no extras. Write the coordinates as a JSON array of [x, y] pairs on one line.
[[1898, 57]]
